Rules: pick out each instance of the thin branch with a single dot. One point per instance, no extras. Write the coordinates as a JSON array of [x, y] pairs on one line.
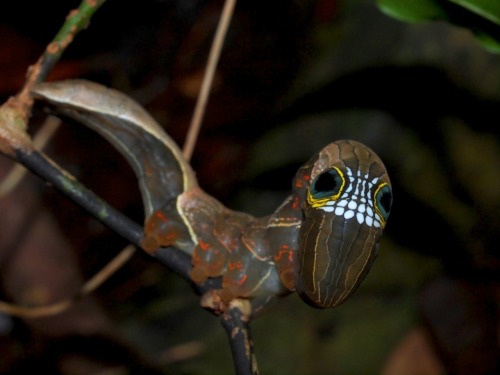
[[181, 352], [213, 59], [16, 174], [109, 269], [14, 142], [49, 171], [236, 323], [15, 112], [58, 307], [77, 20]]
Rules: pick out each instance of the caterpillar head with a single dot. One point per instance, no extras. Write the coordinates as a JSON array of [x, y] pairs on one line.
[[346, 199]]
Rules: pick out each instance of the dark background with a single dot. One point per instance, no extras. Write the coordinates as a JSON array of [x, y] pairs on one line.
[[293, 77]]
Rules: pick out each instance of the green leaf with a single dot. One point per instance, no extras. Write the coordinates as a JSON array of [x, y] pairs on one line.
[[412, 10], [488, 9], [482, 17], [488, 42]]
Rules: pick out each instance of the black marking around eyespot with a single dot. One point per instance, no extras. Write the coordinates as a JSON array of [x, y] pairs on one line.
[[383, 201], [326, 184]]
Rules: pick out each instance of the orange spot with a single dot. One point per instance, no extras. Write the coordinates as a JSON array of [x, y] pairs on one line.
[[300, 181], [53, 48], [235, 266], [243, 279], [285, 256], [196, 260], [161, 216], [295, 203], [289, 279], [205, 246], [169, 238], [284, 250]]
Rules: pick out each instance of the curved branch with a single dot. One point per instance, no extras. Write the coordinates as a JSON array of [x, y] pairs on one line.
[[58, 307], [49, 171], [236, 321], [16, 174], [15, 142], [14, 113], [76, 20], [174, 259]]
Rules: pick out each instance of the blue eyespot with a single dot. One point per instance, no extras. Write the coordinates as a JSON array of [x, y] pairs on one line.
[[383, 200], [327, 184]]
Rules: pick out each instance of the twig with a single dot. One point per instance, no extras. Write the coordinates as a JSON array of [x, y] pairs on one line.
[[213, 58], [48, 171], [236, 323], [15, 112], [56, 308], [76, 20], [181, 352], [109, 269], [176, 260], [14, 142], [16, 174]]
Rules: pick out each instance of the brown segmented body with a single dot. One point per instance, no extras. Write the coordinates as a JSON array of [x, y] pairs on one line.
[[321, 241]]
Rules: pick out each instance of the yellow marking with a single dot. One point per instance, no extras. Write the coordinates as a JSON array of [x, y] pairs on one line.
[[316, 203], [262, 280], [377, 210], [192, 233], [316, 281], [280, 224], [347, 291], [249, 245]]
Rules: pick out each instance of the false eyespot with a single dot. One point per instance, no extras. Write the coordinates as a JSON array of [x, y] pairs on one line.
[[383, 200], [327, 186]]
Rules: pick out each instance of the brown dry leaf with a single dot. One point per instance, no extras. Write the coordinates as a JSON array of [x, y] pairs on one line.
[[414, 356]]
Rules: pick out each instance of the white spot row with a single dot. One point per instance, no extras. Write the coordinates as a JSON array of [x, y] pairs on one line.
[[360, 217], [351, 205]]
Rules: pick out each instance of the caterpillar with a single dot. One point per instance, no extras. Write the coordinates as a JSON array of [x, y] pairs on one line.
[[321, 241]]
